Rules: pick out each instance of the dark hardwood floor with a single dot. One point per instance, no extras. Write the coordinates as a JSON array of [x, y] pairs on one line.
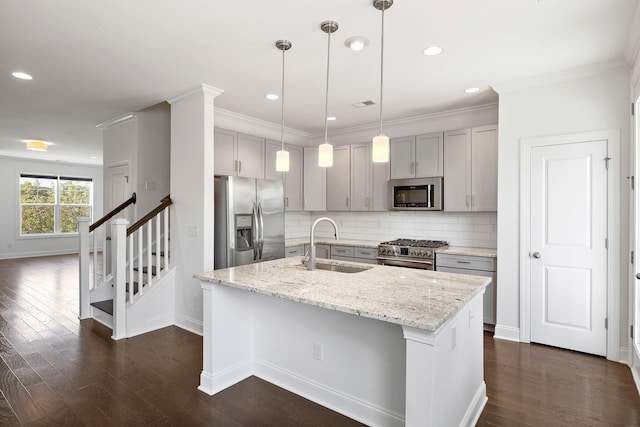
[[56, 370]]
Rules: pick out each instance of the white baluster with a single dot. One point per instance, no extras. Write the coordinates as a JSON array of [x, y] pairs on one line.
[[166, 238], [158, 237], [130, 240], [140, 258], [149, 262], [94, 256]]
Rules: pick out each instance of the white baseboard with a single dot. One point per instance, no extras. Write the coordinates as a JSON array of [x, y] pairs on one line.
[[624, 356], [212, 384], [508, 333], [33, 254], [189, 324], [476, 407], [635, 372], [336, 400]]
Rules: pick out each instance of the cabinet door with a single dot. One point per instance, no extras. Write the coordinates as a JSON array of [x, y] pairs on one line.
[[314, 181], [292, 251], [224, 142], [429, 158], [338, 180], [250, 156], [293, 179], [484, 168], [488, 299], [457, 165], [379, 198], [271, 148], [401, 157], [360, 176]]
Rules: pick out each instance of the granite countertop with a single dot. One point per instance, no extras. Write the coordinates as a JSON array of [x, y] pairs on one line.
[[461, 250], [331, 241], [405, 296]]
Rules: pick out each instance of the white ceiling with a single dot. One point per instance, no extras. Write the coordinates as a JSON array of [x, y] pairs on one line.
[[95, 60]]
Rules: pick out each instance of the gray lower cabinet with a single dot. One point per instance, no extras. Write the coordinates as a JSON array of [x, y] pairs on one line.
[[291, 251], [477, 266], [365, 255], [322, 250], [344, 253]]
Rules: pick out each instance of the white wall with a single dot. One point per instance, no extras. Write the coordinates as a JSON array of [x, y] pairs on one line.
[[13, 246], [595, 99], [153, 154], [192, 194]]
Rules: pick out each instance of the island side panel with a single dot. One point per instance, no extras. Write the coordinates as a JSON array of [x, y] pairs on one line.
[[445, 371], [362, 369], [227, 338]]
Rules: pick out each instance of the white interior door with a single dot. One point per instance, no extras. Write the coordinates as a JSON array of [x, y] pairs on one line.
[[568, 255], [119, 189]]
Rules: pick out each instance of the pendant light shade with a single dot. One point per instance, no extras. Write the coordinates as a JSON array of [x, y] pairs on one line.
[[380, 149], [380, 145], [325, 150], [282, 156]]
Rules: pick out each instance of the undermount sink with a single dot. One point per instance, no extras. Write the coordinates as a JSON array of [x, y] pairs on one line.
[[338, 267]]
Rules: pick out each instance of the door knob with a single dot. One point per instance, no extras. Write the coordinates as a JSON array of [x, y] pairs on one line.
[[637, 275], [536, 255]]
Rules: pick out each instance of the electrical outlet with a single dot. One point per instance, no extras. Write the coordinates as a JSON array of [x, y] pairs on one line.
[[317, 351]]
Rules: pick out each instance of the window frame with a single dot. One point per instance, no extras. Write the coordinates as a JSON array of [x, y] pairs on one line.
[[57, 205]]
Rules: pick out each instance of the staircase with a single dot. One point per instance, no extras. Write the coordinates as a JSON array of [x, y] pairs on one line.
[[131, 289]]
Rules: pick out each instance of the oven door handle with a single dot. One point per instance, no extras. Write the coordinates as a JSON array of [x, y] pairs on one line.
[[403, 262]]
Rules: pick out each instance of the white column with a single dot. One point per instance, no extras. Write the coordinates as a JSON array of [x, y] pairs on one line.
[[119, 257], [84, 259], [192, 193]]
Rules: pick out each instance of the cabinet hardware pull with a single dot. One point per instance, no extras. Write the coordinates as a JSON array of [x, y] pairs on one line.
[[347, 202], [286, 202], [417, 166], [235, 165], [463, 262], [412, 167], [239, 166]]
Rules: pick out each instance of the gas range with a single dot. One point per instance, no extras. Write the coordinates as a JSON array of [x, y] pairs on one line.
[[409, 252]]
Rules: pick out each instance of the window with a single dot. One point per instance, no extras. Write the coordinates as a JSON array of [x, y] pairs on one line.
[[52, 204]]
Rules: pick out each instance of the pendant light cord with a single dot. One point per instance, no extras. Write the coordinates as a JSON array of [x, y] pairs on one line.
[[282, 93], [381, 65], [326, 101]]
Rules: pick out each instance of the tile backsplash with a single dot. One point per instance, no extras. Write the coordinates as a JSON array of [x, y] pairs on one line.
[[474, 229]]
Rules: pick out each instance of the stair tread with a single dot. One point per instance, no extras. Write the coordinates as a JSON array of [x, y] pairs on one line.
[[106, 306], [145, 269]]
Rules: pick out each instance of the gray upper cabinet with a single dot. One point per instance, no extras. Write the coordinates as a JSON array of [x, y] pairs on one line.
[[292, 179], [238, 154], [417, 156], [471, 169], [339, 180], [368, 180], [314, 181]]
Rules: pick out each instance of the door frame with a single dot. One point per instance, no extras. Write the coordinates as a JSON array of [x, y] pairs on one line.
[[612, 137]]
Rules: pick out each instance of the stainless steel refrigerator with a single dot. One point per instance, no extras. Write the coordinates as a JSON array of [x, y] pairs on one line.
[[249, 221]]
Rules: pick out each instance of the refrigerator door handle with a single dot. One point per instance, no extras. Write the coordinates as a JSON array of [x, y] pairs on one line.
[[261, 235], [255, 230]]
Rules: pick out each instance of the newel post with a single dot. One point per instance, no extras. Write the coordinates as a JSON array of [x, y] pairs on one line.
[[119, 259], [84, 311]]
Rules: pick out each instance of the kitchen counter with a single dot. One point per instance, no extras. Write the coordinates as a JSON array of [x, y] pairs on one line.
[[462, 250], [411, 297], [388, 346]]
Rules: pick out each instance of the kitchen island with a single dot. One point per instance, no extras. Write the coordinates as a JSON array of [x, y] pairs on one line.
[[387, 346]]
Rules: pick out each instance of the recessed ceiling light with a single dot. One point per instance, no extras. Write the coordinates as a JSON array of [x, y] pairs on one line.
[[356, 43], [472, 90], [36, 145], [21, 75], [93, 157], [432, 50], [272, 97], [331, 118]]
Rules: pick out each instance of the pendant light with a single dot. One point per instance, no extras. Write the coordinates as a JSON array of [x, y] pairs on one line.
[[282, 156], [325, 150], [380, 146]]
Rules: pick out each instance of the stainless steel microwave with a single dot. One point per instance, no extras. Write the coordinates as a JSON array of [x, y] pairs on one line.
[[421, 194]]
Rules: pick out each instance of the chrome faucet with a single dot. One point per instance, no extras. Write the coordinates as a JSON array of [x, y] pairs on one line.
[[311, 265]]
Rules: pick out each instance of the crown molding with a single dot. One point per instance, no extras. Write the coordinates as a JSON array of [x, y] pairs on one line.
[[561, 76], [117, 121], [220, 112], [11, 157], [411, 120], [196, 90]]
